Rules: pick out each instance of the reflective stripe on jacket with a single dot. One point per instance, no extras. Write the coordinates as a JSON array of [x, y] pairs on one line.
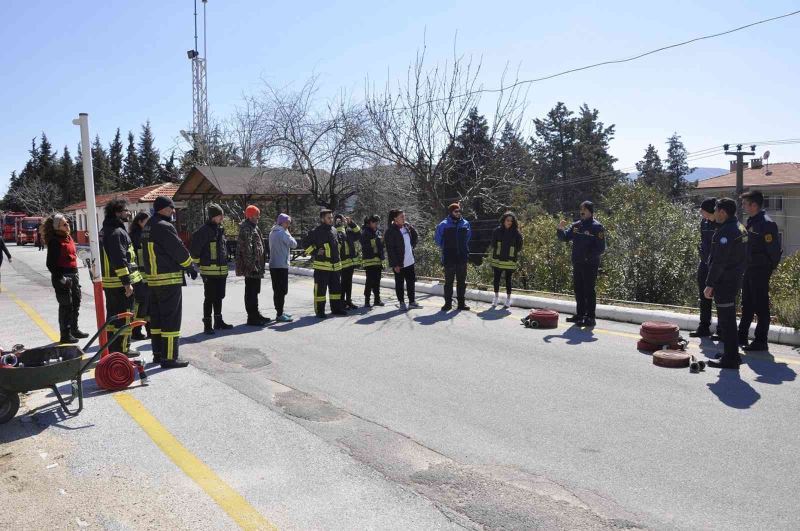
[[348, 251], [322, 244], [164, 255], [505, 248], [117, 256], [209, 250]]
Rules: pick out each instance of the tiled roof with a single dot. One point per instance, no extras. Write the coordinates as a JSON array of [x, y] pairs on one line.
[[216, 182], [779, 174], [146, 194]]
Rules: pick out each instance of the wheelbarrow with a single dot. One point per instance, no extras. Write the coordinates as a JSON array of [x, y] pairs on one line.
[[46, 367]]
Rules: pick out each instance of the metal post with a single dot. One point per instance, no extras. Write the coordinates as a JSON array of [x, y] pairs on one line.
[[91, 218], [739, 154]]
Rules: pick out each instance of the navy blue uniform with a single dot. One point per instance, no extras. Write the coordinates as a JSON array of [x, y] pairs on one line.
[[763, 255], [588, 242], [707, 229], [725, 270], [453, 236]]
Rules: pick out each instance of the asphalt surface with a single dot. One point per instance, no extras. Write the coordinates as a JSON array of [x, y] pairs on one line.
[[422, 419]]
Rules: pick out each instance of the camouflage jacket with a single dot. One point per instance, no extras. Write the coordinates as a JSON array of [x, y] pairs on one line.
[[249, 251]]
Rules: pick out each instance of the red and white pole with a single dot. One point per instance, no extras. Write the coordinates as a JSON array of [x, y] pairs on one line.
[[91, 217]]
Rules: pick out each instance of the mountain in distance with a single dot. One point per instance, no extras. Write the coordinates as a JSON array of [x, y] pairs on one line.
[[697, 175]]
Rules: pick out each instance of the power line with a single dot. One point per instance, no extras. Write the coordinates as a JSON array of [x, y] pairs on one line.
[[596, 65]]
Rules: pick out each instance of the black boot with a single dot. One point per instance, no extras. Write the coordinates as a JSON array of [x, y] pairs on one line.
[[174, 364], [76, 332], [64, 325], [702, 331], [207, 328], [67, 338], [463, 305], [137, 334], [147, 328], [219, 324]]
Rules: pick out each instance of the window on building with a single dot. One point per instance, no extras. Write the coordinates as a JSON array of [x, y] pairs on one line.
[[773, 203]]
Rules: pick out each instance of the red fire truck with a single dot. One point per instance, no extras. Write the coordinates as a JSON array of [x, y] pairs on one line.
[[27, 228], [10, 225]]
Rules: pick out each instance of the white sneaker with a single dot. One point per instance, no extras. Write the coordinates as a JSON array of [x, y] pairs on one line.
[[496, 299], [508, 302]]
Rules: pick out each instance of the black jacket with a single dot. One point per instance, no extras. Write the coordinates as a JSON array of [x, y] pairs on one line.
[[506, 246], [707, 229], [763, 241], [322, 244], [3, 250], [117, 256], [348, 236], [396, 245], [209, 250], [727, 260], [588, 240], [165, 257], [372, 247]]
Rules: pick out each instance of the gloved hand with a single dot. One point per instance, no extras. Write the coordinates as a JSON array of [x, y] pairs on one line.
[[321, 252], [66, 282], [193, 273]]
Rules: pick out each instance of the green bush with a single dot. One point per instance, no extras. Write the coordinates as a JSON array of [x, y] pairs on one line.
[[652, 248], [545, 263], [785, 292]]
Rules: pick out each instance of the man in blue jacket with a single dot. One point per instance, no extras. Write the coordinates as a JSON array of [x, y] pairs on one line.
[[452, 237], [588, 242]]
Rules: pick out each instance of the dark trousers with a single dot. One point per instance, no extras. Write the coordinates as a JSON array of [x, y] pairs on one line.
[[166, 310], [141, 303], [213, 293], [755, 302], [68, 296], [705, 304], [373, 283], [499, 273], [252, 287], [330, 283], [347, 283], [584, 280], [407, 275], [457, 272], [117, 302], [280, 287]]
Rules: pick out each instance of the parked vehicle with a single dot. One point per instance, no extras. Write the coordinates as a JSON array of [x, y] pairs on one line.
[[10, 225], [27, 229]]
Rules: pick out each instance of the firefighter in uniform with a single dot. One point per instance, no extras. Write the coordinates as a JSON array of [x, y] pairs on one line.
[[165, 260], [121, 276], [763, 255], [322, 244], [707, 228], [726, 265], [588, 243], [373, 254], [348, 234], [209, 251], [141, 307]]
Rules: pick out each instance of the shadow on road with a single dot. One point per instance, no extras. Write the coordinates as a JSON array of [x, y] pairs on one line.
[[733, 391], [235, 331], [494, 314], [438, 317], [769, 371], [378, 317], [574, 335], [306, 320]]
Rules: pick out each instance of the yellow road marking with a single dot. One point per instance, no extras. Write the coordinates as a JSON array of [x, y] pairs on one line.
[[233, 503], [244, 514], [35, 317]]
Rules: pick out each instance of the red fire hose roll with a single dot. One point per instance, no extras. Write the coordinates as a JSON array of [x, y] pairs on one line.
[[115, 372]]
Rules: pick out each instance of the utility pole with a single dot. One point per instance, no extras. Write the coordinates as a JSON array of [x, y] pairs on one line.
[[739, 154]]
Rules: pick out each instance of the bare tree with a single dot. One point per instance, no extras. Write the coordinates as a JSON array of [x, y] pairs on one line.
[[324, 145], [415, 125], [36, 196]]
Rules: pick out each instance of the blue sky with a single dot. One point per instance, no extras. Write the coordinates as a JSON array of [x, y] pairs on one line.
[[125, 62]]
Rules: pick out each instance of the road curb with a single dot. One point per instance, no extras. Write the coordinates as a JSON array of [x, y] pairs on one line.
[[783, 335]]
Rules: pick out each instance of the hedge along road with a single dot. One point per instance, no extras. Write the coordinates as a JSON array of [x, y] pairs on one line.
[[500, 425]]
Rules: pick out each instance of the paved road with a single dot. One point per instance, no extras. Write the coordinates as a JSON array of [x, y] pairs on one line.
[[467, 415]]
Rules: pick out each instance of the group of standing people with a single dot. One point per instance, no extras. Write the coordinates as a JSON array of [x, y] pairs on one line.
[[736, 258]]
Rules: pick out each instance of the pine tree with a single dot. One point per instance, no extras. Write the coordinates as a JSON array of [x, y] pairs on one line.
[[148, 156], [513, 169], [592, 158], [103, 181], [131, 171], [78, 186], [46, 162], [169, 170], [66, 174], [115, 161], [651, 170], [677, 167], [469, 157]]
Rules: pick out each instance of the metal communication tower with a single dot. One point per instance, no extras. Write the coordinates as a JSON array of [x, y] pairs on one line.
[[199, 91]]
